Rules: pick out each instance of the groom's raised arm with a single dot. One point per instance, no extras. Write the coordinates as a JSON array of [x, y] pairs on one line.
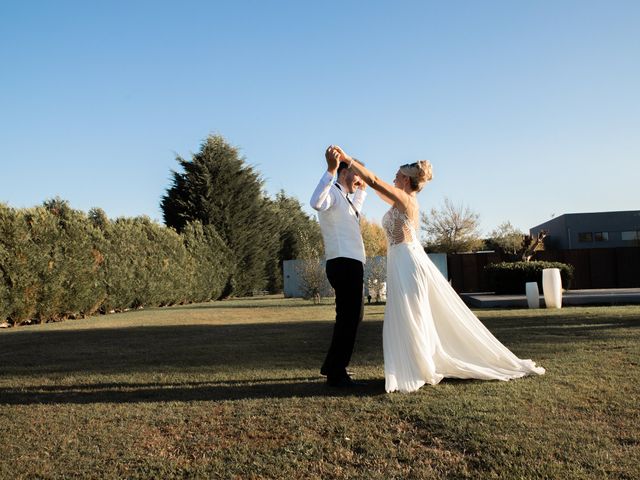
[[322, 199], [358, 199]]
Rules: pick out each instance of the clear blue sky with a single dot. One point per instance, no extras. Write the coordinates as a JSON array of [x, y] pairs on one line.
[[525, 108]]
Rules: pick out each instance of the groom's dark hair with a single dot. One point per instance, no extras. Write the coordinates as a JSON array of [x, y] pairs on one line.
[[344, 165]]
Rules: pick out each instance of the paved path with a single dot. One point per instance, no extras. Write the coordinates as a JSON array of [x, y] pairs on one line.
[[612, 296]]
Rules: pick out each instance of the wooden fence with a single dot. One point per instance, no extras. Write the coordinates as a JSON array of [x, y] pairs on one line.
[[594, 268]]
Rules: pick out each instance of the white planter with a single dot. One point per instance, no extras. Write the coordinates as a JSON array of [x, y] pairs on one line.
[[552, 287], [533, 294]]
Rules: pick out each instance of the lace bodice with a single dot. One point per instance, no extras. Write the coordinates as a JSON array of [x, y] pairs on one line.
[[398, 227]]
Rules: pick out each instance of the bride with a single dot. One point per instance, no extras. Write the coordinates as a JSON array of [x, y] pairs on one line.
[[428, 332]]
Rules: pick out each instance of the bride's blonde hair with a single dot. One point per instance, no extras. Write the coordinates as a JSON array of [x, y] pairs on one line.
[[419, 173]]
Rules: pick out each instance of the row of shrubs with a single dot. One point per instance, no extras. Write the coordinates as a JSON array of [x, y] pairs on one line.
[[58, 263], [511, 277]]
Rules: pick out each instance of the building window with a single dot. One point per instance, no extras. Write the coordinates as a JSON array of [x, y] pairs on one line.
[[601, 236], [630, 235], [585, 237]]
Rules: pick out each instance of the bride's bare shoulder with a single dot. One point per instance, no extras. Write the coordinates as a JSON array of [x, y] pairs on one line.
[[413, 211]]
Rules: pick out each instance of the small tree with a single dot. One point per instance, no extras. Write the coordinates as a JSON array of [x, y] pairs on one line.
[[452, 229], [508, 240], [374, 238], [313, 280]]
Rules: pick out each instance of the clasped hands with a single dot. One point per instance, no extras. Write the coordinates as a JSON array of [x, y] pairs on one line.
[[334, 155]]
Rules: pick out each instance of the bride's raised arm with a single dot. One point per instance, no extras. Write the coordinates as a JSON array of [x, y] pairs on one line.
[[390, 194]]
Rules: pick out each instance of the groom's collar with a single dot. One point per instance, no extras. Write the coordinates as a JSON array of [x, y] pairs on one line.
[[346, 195], [341, 188]]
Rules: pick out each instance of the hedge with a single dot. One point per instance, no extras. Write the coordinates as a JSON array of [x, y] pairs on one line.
[[211, 262], [511, 277], [58, 263]]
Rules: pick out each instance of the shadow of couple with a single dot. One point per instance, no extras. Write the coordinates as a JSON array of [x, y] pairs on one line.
[[184, 392]]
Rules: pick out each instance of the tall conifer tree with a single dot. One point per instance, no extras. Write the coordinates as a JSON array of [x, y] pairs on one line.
[[219, 189]]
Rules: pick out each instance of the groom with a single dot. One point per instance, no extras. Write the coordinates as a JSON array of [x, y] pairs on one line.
[[339, 218]]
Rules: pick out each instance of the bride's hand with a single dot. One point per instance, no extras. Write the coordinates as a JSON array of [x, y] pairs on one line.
[[343, 156], [359, 183]]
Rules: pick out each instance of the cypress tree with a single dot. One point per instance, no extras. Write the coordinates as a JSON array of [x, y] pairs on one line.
[[218, 188]]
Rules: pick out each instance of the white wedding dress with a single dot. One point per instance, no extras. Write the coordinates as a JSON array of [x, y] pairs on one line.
[[429, 333]]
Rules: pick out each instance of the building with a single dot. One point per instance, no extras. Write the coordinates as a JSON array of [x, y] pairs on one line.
[[574, 231]]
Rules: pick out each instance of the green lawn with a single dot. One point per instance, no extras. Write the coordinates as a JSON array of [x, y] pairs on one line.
[[231, 390]]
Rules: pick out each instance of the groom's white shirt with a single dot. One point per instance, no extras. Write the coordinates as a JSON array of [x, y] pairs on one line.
[[338, 218]]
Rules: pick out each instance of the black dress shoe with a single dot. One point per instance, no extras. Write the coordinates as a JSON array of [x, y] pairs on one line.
[[324, 371], [343, 382]]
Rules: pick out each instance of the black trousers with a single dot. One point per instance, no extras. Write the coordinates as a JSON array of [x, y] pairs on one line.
[[346, 277]]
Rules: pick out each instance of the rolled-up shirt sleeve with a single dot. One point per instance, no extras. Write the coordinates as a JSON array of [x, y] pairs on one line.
[[322, 197]]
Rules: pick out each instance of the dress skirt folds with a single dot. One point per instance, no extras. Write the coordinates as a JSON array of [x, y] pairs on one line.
[[429, 333]]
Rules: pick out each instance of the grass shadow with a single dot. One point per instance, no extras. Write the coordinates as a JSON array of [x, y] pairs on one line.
[[557, 329], [187, 392], [221, 305], [260, 346], [238, 352]]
